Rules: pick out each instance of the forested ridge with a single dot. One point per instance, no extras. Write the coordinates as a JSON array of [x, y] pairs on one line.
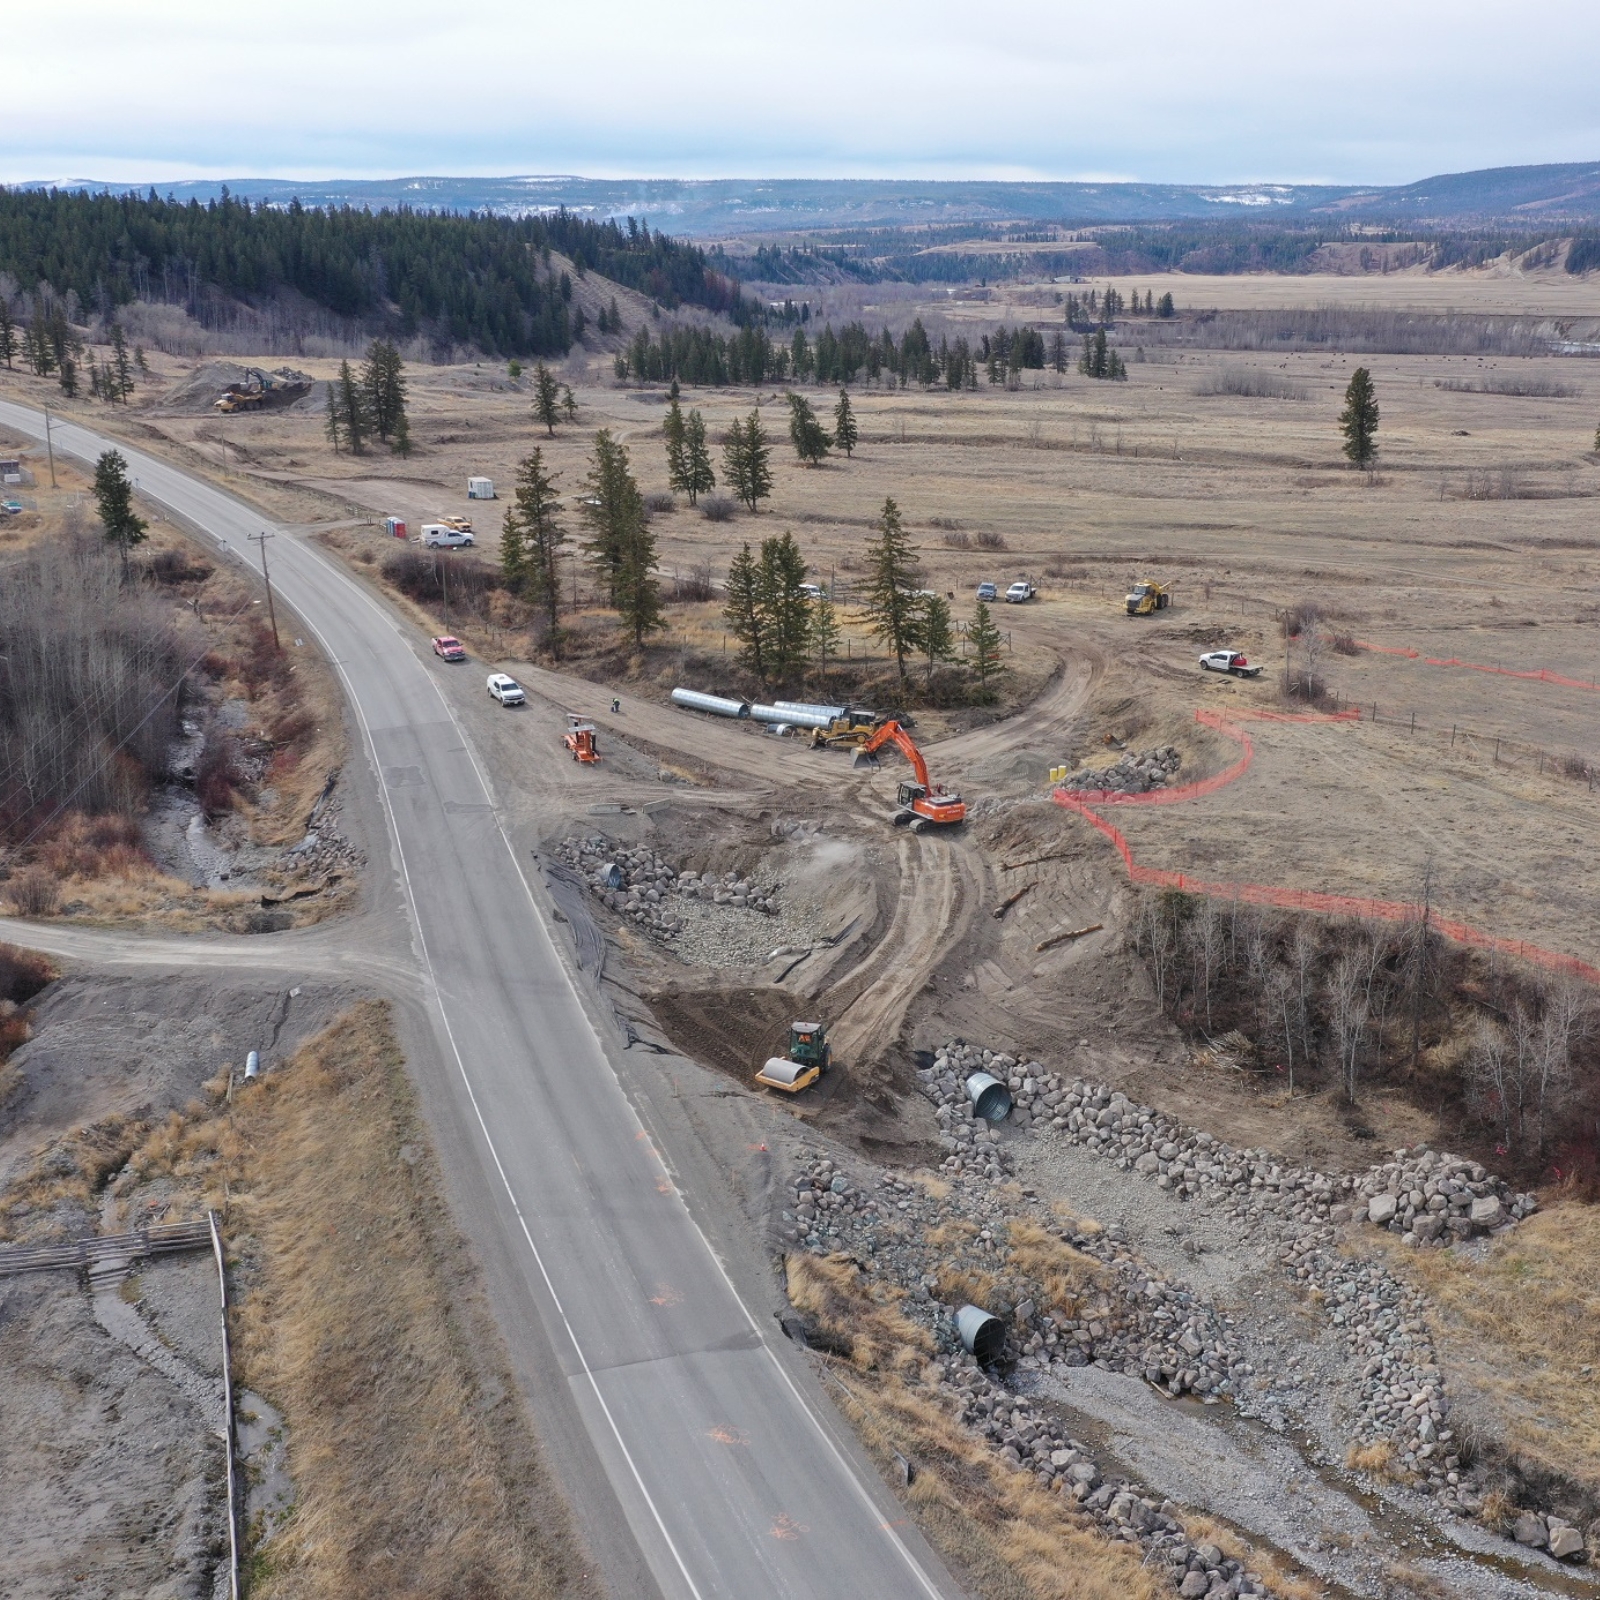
[[468, 279]]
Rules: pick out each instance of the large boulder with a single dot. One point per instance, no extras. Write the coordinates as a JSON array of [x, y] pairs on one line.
[[1381, 1209], [1487, 1212], [1529, 1529]]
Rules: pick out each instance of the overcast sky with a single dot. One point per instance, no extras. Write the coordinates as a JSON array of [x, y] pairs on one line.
[[1357, 91]]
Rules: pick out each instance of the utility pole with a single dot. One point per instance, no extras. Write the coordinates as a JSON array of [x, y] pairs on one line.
[[50, 447], [261, 539]]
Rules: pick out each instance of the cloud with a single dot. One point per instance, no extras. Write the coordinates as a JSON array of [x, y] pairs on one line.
[[1359, 91]]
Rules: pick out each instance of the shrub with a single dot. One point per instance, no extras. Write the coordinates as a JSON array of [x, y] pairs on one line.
[[717, 508], [177, 566], [695, 584], [959, 540], [422, 575], [1253, 383], [1300, 617], [83, 846], [23, 973], [217, 778], [988, 539], [1344, 644], [658, 500], [33, 892]]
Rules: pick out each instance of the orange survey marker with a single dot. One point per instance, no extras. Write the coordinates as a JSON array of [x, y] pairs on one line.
[[1263, 894]]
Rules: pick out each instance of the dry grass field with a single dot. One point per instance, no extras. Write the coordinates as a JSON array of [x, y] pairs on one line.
[[1475, 540]]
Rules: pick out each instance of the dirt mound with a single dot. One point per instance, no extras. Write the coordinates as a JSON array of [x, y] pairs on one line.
[[198, 392]]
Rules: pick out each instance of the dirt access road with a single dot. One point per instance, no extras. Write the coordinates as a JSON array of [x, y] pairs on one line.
[[663, 1360]]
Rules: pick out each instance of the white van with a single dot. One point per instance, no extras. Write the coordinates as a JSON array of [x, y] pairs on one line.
[[438, 534]]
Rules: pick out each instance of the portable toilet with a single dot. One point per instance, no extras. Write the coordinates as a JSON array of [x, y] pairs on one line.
[[480, 488], [395, 527]]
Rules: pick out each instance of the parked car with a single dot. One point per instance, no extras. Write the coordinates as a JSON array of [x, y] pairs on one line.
[[440, 535], [449, 648], [1233, 661], [987, 591], [1019, 591], [813, 591], [506, 690]]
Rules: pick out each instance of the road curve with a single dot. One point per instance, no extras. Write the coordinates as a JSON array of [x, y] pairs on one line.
[[731, 1483]]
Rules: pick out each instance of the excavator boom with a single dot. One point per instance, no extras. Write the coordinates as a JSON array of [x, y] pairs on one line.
[[921, 803]]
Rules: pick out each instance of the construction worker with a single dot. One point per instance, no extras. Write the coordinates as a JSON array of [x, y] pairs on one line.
[[616, 706]]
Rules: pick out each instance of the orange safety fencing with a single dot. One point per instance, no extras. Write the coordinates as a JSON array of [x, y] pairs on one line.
[[1541, 675], [1263, 894]]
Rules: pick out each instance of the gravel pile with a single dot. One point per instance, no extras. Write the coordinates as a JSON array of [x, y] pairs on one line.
[[643, 885], [881, 1227], [1131, 774]]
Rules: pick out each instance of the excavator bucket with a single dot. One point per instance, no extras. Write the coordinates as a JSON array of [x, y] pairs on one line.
[[860, 758]]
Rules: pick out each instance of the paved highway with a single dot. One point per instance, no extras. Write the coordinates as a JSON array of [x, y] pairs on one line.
[[730, 1481]]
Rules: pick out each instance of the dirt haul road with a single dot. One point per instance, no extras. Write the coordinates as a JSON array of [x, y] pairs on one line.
[[731, 1480]]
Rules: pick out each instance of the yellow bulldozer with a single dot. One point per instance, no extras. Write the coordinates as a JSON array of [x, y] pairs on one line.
[[1146, 597]]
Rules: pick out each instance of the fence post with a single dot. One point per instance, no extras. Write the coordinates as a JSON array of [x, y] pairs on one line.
[[1413, 722], [1497, 752]]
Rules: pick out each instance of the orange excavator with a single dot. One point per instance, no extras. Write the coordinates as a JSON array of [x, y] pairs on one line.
[[920, 805]]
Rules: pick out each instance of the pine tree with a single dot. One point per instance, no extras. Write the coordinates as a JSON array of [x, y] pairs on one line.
[[383, 392], [546, 399], [37, 348], [787, 608], [938, 633], [530, 545], [1165, 307], [743, 612], [676, 432], [845, 432], [121, 365], [1358, 422], [614, 510], [96, 389], [69, 376], [569, 403], [986, 641], [1058, 350], [892, 609], [8, 333], [113, 495], [811, 440], [825, 632], [699, 477]]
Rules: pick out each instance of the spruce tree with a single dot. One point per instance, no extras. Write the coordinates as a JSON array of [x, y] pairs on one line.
[[787, 608], [697, 458], [113, 496], [1358, 422], [638, 592], [1058, 350], [675, 431], [811, 440], [986, 641], [8, 333], [845, 432], [614, 510], [530, 546], [352, 409], [743, 612], [69, 376], [892, 610], [121, 365], [334, 426], [736, 461], [938, 633], [383, 395], [546, 399], [569, 403], [825, 633], [758, 473]]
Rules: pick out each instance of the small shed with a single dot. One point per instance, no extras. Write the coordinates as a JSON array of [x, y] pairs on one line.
[[480, 489]]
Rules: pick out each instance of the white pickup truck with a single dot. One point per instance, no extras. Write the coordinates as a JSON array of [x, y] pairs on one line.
[[1019, 592], [1230, 661]]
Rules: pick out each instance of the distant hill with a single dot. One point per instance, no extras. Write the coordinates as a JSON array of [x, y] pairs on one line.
[[723, 207]]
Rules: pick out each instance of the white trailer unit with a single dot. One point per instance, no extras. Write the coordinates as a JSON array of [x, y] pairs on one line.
[[480, 488]]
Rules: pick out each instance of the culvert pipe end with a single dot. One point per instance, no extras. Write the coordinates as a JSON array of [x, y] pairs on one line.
[[982, 1333], [990, 1098]]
